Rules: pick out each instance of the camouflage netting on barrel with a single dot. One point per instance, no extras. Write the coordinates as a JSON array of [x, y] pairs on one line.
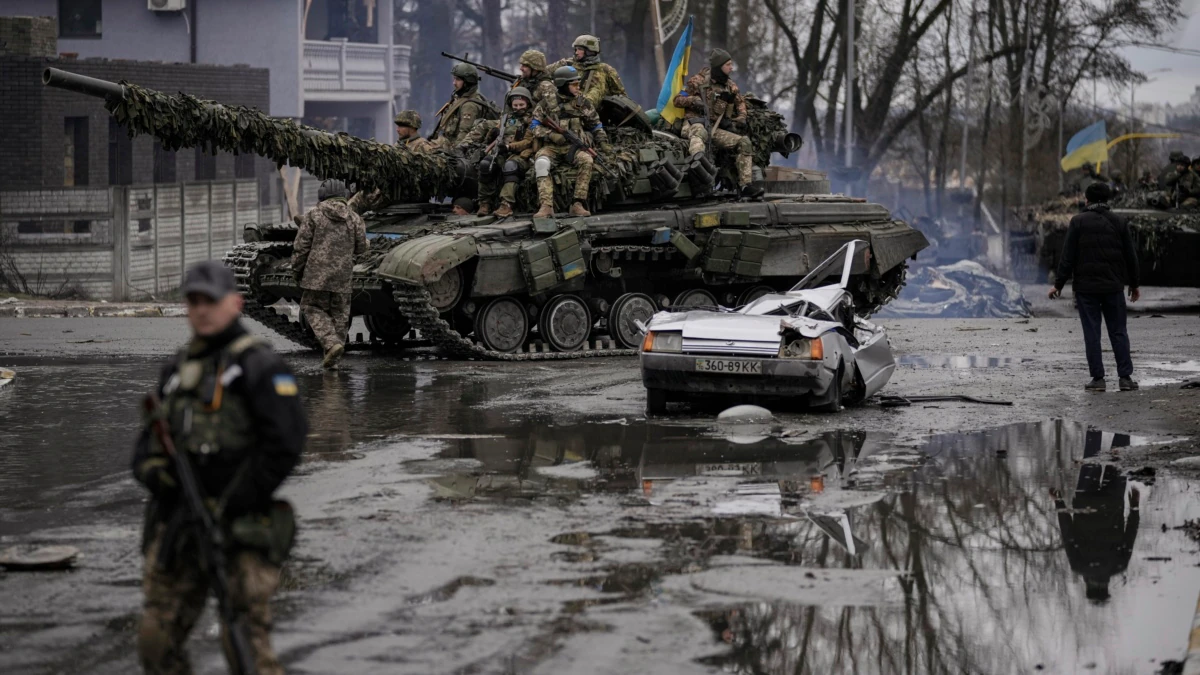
[[764, 126], [184, 121]]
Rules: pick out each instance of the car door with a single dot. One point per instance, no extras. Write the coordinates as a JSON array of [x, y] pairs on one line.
[[873, 358]]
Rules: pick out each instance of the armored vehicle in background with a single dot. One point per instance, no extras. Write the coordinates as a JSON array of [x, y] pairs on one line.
[[668, 231]]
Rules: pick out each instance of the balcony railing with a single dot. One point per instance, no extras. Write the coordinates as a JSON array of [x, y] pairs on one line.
[[337, 66]]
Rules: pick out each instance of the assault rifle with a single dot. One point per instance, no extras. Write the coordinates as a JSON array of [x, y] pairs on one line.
[[578, 143], [488, 70], [212, 541], [487, 166]]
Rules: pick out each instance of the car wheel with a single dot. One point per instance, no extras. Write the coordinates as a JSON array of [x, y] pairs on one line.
[[835, 394], [656, 401]]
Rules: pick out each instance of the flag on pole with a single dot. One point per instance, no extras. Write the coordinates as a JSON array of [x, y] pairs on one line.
[[676, 76], [1087, 146]]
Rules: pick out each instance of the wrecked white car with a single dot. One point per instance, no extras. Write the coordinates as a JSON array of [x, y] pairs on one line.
[[806, 344]]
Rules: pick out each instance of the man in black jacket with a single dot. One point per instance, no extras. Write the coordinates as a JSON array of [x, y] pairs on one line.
[[1100, 259], [232, 405]]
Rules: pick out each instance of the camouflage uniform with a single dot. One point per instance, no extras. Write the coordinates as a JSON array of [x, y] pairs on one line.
[[364, 201], [541, 83], [519, 143], [723, 115], [578, 116], [232, 406], [597, 79], [1188, 188], [458, 116], [330, 235]]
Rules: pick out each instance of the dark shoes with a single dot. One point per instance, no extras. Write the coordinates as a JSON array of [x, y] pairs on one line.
[[1127, 384], [1097, 384]]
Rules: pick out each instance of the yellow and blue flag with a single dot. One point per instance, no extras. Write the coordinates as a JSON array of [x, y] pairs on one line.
[[676, 77], [1087, 146]]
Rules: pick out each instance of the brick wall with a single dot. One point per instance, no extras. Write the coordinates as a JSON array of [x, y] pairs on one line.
[[31, 116], [29, 35]]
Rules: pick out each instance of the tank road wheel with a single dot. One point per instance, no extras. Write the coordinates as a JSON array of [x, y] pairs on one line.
[[446, 291], [565, 323], [624, 315], [753, 293], [695, 297], [387, 327], [502, 325]]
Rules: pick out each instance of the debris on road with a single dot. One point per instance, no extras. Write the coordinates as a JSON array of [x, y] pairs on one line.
[[904, 401], [6, 376], [29, 558], [745, 413], [963, 290]]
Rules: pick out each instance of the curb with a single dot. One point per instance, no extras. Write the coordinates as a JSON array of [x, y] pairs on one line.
[[1191, 662], [79, 311]]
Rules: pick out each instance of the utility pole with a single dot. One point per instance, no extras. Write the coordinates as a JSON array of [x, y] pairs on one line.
[[849, 83], [659, 59], [1062, 111], [962, 164]]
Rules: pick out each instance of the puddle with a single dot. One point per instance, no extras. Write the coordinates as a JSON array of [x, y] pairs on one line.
[[958, 362], [1179, 367]]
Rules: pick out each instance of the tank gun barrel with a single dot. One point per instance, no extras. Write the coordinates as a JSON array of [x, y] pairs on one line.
[[785, 143], [184, 121]]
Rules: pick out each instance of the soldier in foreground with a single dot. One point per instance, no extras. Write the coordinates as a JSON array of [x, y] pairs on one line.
[[534, 75], [464, 108], [231, 409], [507, 153], [330, 235], [575, 114], [597, 79], [714, 105]]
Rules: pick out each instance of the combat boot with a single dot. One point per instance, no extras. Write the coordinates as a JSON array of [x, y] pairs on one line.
[[578, 210], [504, 211], [484, 209], [545, 188], [332, 356]]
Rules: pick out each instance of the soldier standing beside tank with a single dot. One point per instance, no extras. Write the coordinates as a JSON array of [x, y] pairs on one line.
[[597, 79], [464, 108], [573, 112], [231, 404], [330, 235], [507, 160], [534, 75], [726, 110]]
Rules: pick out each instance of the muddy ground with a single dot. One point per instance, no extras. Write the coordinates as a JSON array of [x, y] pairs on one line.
[[527, 518]]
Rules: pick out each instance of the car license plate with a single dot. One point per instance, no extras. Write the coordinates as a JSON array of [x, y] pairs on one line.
[[729, 366], [736, 469]]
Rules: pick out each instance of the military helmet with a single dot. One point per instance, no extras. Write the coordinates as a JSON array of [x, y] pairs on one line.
[[588, 42], [1182, 159], [408, 118], [1176, 155], [534, 59], [331, 188], [465, 72], [518, 91], [565, 75], [718, 57]]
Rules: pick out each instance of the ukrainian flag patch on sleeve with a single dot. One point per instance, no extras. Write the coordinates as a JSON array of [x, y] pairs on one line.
[[285, 385]]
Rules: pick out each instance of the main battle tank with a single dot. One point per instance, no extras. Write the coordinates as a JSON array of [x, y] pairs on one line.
[[1167, 240], [668, 231]]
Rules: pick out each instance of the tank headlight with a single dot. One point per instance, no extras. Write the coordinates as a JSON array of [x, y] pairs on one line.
[[803, 348], [665, 341]]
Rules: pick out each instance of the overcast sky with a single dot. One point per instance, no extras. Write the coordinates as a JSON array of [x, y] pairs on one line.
[[1173, 87]]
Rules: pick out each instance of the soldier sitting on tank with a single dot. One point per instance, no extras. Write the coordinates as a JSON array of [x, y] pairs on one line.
[[1167, 195], [534, 75], [1147, 181], [597, 79], [1188, 187], [408, 127], [573, 112], [1170, 173], [1090, 175], [507, 158], [726, 109], [461, 207], [464, 108]]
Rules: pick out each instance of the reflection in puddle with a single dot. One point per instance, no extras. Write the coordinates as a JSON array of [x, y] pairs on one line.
[[958, 362]]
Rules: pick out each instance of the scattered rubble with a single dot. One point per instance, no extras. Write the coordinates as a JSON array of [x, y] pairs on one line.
[[963, 290]]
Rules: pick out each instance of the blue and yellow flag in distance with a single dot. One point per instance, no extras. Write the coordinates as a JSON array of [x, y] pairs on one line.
[[1089, 145], [676, 76]]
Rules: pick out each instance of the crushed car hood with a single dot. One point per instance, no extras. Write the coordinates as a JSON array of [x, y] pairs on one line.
[[809, 328]]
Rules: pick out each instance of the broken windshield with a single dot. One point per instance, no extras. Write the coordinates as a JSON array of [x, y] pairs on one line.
[[838, 263]]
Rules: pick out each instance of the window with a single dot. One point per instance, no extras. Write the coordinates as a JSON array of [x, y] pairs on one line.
[[81, 227], [143, 225], [75, 157], [164, 164], [206, 165], [243, 165], [120, 154], [30, 227], [79, 18]]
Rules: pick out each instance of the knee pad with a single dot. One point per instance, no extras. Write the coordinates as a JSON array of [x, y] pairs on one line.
[[511, 171], [541, 167], [744, 147]]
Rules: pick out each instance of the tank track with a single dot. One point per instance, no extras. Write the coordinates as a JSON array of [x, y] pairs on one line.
[[244, 259], [416, 305]]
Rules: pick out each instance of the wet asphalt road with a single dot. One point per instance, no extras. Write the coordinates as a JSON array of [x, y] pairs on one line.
[[525, 518]]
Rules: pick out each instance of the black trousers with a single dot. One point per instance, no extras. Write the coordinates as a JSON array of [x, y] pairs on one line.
[[1111, 307]]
